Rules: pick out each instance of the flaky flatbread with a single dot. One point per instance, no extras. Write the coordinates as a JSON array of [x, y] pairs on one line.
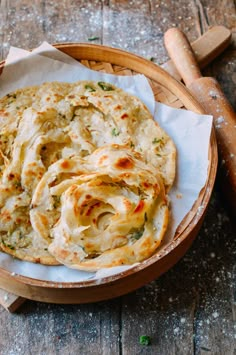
[[60, 123], [104, 210]]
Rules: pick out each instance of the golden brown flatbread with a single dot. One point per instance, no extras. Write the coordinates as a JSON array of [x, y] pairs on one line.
[[104, 210], [57, 123]]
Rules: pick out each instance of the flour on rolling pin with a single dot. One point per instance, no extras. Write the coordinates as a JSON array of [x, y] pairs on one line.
[[208, 92]]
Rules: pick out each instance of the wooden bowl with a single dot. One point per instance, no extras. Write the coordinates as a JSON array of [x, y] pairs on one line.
[[166, 90]]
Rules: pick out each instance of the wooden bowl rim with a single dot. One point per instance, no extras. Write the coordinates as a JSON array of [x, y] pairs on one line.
[[95, 53]]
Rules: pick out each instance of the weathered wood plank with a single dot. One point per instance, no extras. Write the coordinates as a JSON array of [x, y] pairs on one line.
[[28, 24], [143, 27], [53, 329]]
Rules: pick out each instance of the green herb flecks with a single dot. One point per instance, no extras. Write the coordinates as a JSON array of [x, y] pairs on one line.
[[104, 86], [17, 184], [136, 235], [82, 247], [56, 201], [89, 88], [144, 340], [132, 145], [115, 132], [61, 115], [10, 246], [13, 96], [93, 38], [156, 140]]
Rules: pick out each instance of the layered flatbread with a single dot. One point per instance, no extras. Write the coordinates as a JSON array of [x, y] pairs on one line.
[[57, 123], [104, 210]]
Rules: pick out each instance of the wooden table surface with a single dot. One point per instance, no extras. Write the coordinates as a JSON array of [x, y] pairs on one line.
[[192, 308]]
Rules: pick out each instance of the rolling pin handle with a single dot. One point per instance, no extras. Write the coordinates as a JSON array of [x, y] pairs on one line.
[[180, 51]]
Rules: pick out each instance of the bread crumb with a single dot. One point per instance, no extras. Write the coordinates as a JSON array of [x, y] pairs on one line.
[[179, 195]]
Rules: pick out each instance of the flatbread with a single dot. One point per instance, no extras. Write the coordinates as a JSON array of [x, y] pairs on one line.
[[46, 125], [104, 210]]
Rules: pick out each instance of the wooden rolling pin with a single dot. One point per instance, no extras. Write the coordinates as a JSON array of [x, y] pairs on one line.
[[207, 91], [206, 48]]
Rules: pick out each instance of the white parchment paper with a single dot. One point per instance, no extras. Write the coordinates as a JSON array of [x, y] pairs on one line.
[[190, 132]]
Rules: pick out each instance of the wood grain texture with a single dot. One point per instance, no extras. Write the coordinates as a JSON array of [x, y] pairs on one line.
[[189, 310]]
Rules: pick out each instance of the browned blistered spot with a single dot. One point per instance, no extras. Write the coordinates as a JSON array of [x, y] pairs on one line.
[[4, 113], [139, 207], [33, 164], [97, 182], [101, 160], [83, 97], [156, 187], [146, 185], [89, 245], [76, 192], [73, 187], [125, 115], [11, 176], [6, 215], [71, 96], [84, 204], [43, 219], [18, 220], [124, 163], [165, 201], [65, 164], [118, 107], [107, 96], [88, 197], [95, 220], [90, 209], [30, 173], [76, 209], [63, 253], [127, 204], [48, 98], [145, 245]]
